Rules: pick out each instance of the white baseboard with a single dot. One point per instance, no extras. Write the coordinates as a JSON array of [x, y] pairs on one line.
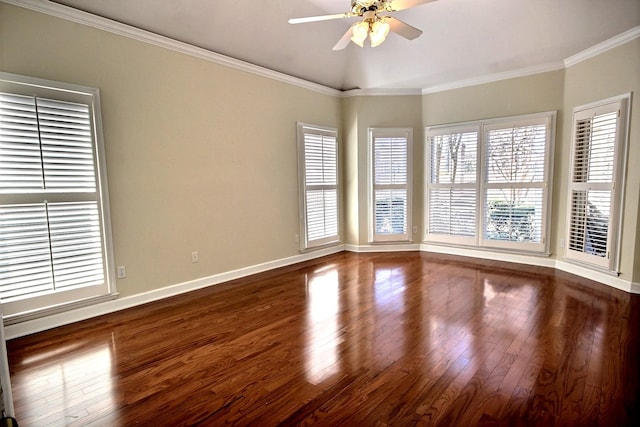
[[59, 319], [539, 261], [568, 267], [383, 247], [601, 277]]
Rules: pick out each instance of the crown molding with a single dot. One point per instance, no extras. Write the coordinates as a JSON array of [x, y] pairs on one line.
[[490, 78], [64, 12], [118, 28], [601, 48], [379, 92], [588, 53]]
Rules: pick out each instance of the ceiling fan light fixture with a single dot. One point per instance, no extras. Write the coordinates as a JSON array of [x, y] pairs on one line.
[[359, 33], [379, 32]]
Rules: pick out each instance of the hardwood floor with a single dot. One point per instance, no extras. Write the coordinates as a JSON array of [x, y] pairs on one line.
[[396, 339]]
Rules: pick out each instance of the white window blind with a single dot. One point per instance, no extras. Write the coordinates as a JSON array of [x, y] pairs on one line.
[[598, 138], [452, 185], [515, 183], [390, 152], [52, 225], [318, 150], [487, 182]]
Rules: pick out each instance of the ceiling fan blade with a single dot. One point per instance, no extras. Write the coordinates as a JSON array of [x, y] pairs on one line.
[[320, 18], [405, 4], [402, 28], [344, 41]]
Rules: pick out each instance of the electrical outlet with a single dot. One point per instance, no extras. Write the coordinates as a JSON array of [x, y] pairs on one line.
[[562, 243], [195, 257], [297, 238], [415, 229], [122, 272]]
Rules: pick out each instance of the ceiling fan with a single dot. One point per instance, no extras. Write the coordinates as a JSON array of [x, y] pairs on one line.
[[373, 25]]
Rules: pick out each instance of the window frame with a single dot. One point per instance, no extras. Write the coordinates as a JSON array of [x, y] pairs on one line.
[[545, 185], [399, 132], [436, 131], [307, 244], [61, 300], [482, 127], [611, 262]]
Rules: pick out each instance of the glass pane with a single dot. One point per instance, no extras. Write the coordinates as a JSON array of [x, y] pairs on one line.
[[513, 215], [589, 228], [390, 160], [67, 145], [320, 157], [322, 214], [20, 160], [390, 212], [452, 212], [595, 148], [25, 257], [76, 244], [516, 154], [453, 158]]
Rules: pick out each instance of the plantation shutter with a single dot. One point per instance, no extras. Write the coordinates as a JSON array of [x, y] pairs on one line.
[[487, 182], [593, 173], [320, 165], [515, 184], [51, 232], [390, 176], [452, 191]]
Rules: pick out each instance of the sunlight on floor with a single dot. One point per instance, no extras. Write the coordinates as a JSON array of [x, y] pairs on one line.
[[322, 325]]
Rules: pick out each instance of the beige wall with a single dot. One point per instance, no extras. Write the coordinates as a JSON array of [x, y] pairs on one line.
[[200, 157], [612, 73], [609, 74], [351, 189], [524, 95], [360, 114]]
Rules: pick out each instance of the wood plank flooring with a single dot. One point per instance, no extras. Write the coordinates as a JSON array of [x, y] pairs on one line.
[[396, 339]]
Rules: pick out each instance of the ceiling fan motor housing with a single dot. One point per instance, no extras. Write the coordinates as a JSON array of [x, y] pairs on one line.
[[359, 7]]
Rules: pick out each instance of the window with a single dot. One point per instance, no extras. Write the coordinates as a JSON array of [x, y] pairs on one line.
[[390, 188], [319, 192], [54, 231], [488, 182], [594, 200], [514, 188], [453, 185]]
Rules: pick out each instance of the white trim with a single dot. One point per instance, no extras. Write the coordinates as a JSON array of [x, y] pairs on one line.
[[5, 375], [617, 184], [60, 319], [568, 267], [490, 78], [482, 253], [595, 275], [104, 24], [603, 47], [303, 129], [379, 92], [383, 247], [379, 132], [85, 18], [89, 96]]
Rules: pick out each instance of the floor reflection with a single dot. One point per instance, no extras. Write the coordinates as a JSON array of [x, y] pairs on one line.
[[323, 298], [389, 287], [70, 382]]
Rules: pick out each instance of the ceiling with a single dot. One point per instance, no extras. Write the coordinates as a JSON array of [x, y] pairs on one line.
[[462, 39]]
